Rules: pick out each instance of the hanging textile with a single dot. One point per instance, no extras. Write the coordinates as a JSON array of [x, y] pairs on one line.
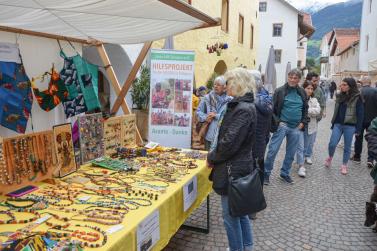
[[15, 85], [55, 93], [88, 78], [74, 104]]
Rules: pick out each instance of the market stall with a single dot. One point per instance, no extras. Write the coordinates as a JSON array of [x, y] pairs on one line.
[[71, 178]]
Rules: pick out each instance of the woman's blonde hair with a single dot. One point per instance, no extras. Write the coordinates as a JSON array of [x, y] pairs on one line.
[[240, 81]]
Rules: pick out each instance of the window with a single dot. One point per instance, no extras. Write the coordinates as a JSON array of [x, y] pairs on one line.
[[299, 62], [252, 37], [366, 42], [301, 44], [225, 15], [354, 51], [240, 30], [277, 30], [262, 6], [277, 56]]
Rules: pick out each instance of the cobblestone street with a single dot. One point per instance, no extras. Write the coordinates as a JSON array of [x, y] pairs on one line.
[[324, 211]]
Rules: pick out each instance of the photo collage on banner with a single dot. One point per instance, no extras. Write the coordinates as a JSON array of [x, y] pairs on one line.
[[171, 97]]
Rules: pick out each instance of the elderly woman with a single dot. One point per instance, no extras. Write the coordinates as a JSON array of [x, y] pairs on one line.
[[232, 148], [210, 108]]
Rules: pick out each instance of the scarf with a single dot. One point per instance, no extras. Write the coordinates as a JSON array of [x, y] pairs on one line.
[[217, 130]]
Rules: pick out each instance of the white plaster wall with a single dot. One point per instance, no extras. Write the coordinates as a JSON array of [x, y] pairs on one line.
[[325, 53], [277, 12], [368, 27], [350, 61], [302, 51], [38, 54]]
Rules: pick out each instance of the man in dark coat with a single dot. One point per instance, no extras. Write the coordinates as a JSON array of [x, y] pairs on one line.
[[369, 97], [290, 108]]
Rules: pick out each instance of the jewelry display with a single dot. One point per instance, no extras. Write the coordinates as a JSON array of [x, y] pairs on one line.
[[91, 137], [64, 149]]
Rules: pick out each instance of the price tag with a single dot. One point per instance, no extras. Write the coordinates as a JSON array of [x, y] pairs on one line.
[[114, 229], [85, 198], [43, 219]]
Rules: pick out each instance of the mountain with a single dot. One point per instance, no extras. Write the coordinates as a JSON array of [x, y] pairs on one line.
[[341, 15]]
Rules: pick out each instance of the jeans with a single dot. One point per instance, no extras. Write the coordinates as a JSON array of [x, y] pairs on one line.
[[359, 143], [293, 136], [300, 150], [347, 131], [238, 229], [309, 140]]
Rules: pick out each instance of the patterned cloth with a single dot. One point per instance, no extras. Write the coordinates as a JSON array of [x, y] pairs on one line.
[[217, 130], [74, 104], [18, 99], [55, 93]]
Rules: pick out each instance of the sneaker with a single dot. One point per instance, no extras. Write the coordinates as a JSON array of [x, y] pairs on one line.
[[328, 162], [302, 172], [308, 161], [287, 179], [370, 164], [266, 180], [356, 159], [343, 169]]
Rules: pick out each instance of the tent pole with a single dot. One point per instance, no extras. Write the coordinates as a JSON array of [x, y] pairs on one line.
[[115, 83], [131, 77]]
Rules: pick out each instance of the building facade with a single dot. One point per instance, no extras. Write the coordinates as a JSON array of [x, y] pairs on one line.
[[239, 31], [325, 59], [287, 30], [368, 39], [349, 58]]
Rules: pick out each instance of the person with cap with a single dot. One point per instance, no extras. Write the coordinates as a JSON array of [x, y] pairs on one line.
[[369, 97], [210, 108], [347, 121]]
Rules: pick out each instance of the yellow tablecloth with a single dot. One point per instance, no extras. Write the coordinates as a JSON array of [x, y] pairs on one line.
[[171, 214]]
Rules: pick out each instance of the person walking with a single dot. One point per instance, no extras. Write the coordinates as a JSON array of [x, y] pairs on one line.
[[210, 108], [310, 130], [347, 120], [318, 93], [332, 89], [369, 96], [290, 115], [232, 148]]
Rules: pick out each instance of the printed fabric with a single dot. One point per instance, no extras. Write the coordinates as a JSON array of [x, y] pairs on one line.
[[54, 95], [74, 104], [16, 96]]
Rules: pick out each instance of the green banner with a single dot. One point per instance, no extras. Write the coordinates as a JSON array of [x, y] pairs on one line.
[[172, 56]]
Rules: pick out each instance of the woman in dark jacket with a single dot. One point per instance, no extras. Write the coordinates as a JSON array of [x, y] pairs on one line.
[[347, 120], [232, 148]]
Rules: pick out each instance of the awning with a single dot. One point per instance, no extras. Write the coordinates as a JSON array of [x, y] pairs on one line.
[[111, 21]]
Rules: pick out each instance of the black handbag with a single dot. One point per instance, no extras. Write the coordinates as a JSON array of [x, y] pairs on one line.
[[245, 194]]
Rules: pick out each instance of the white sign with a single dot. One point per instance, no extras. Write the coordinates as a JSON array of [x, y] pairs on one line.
[[190, 193], [114, 229], [170, 106], [9, 53], [148, 232]]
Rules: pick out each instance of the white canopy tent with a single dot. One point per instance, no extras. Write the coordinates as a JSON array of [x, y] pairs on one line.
[[109, 21]]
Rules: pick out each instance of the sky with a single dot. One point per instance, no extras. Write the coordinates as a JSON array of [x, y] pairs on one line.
[[305, 3]]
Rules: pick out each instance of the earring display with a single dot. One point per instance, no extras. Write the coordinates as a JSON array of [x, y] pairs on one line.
[[91, 137], [119, 132], [64, 149], [26, 159]]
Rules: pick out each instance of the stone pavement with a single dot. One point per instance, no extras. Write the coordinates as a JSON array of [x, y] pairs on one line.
[[324, 211]]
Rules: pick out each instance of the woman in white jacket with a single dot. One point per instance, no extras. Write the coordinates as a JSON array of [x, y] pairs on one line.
[[310, 131]]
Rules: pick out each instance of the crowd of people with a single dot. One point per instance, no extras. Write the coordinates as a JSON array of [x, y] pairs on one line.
[[246, 128]]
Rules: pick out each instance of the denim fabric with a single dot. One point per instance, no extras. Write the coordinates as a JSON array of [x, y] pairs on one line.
[[309, 140], [337, 132], [238, 229], [300, 149], [292, 135]]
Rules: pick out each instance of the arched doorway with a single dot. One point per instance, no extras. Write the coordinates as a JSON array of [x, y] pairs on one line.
[[220, 67]]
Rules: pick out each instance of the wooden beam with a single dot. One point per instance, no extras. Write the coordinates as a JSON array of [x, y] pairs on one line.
[[45, 35], [189, 10], [115, 83], [131, 77]]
